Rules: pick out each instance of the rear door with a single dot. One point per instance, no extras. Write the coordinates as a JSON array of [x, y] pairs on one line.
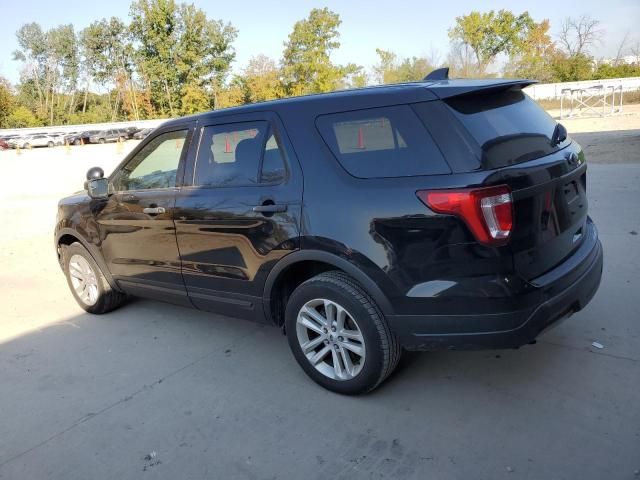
[[508, 139], [238, 213]]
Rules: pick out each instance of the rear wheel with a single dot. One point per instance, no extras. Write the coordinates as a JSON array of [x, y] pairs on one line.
[[77, 141], [102, 140], [50, 144], [86, 281], [338, 334]]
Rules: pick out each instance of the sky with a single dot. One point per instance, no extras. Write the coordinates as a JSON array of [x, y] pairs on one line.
[[407, 27]]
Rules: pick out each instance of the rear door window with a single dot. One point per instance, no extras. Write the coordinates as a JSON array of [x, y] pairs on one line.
[[382, 142], [508, 126], [239, 154]]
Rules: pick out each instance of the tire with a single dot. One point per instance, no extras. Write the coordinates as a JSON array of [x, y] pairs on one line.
[[26, 145], [332, 291], [101, 141], [50, 144], [77, 141], [104, 298]]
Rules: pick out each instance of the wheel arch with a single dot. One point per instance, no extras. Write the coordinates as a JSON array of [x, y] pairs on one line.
[[67, 236], [304, 264]]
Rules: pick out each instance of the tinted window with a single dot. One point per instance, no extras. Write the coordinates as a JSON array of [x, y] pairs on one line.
[[155, 166], [382, 142], [233, 154], [273, 169], [508, 126]]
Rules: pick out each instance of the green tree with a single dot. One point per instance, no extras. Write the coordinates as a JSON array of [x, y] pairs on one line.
[[7, 102], [179, 46], [108, 53], [51, 65], [194, 99], [22, 117], [489, 34], [261, 79], [391, 69], [306, 61], [571, 68], [621, 70], [535, 58]]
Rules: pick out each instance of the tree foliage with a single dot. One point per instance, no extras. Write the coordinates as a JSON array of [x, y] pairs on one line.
[[391, 69], [535, 58], [306, 60], [180, 50], [489, 34]]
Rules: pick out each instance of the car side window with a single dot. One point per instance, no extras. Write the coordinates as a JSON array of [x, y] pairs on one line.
[[155, 166], [237, 154], [382, 142], [273, 169]]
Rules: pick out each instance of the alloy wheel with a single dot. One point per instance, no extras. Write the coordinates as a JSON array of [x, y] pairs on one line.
[[330, 339], [83, 280]]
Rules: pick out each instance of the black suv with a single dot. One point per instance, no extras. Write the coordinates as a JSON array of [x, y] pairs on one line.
[[443, 214]]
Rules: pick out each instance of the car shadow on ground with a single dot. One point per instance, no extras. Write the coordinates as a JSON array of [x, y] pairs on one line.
[[157, 377]]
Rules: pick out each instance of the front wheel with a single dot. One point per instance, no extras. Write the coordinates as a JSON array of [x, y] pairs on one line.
[[101, 141], [50, 144], [86, 281], [338, 334]]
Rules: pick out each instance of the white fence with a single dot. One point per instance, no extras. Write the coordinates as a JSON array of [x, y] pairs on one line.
[[82, 128], [548, 91]]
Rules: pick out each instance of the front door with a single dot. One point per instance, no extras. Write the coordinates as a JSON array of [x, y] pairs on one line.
[[136, 223], [240, 213]]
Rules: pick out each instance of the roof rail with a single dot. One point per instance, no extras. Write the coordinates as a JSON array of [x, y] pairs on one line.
[[438, 74]]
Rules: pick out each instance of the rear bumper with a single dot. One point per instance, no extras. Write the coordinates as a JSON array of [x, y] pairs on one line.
[[564, 291]]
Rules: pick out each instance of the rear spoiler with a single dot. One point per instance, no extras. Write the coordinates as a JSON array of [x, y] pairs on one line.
[[439, 83]]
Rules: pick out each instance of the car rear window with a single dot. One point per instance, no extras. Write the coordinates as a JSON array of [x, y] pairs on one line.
[[382, 142], [508, 126]]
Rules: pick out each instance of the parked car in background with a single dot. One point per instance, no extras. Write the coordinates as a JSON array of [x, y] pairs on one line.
[[130, 131], [80, 138], [111, 135], [139, 135], [38, 140], [4, 145], [434, 215], [58, 137]]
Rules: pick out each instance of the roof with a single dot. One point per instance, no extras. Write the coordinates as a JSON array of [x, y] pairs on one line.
[[416, 91]]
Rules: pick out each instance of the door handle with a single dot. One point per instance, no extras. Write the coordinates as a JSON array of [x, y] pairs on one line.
[[270, 208], [153, 210]]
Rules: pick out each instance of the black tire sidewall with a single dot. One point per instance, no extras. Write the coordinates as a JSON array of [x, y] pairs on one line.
[[374, 360], [77, 249]]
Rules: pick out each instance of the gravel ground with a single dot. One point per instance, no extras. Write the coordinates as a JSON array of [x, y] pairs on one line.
[[167, 392]]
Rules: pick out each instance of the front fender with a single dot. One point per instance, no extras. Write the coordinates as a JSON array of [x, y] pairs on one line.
[[93, 250]]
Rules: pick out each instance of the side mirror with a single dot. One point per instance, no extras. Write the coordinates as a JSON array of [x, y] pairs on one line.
[[98, 188], [96, 185]]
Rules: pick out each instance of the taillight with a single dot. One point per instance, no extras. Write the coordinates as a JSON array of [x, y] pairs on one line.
[[488, 212]]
